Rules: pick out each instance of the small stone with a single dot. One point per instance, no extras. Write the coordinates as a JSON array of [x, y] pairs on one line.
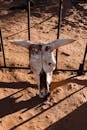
[[0, 120], [66, 54], [69, 28], [41, 28], [81, 24], [44, 107], [85, 7], [55, 101], [20, 118], [47, 116], [69, 86], [59, 90], [72, 86]]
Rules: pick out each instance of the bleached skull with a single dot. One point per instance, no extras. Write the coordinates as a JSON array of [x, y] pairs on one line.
[[42, 61]]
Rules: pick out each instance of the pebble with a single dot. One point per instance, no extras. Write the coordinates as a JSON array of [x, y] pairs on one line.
[[70, 86], [20, 118], [66, 54], [41, 28], [0, 120], [44, 107]]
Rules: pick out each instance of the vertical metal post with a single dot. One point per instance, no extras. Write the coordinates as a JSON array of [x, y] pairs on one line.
[[59, 25], [81, 67], [2, 47], [85, 55], [28, 11]]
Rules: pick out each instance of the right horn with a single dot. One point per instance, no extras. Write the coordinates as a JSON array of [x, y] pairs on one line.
[[60, 42]]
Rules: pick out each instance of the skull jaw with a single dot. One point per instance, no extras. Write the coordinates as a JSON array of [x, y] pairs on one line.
[[43, 96], [44, 92]]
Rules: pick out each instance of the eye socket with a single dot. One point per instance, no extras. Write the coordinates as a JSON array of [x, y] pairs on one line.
[[47, 48], [49, 63]]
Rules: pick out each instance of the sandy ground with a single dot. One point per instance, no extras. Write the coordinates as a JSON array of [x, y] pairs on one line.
[[20, 107]]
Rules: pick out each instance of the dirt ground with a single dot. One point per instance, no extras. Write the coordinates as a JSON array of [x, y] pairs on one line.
[[20, 106]]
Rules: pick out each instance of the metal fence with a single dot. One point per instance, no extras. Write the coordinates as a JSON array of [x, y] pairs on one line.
[[79, 71]]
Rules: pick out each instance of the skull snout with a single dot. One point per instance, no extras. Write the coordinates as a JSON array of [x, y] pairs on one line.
[[43, 93], [44, 88]]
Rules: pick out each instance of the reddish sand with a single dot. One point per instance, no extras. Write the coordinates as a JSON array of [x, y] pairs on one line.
[[20, 107]]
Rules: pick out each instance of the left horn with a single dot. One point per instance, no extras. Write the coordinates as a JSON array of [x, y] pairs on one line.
[[21, 42]]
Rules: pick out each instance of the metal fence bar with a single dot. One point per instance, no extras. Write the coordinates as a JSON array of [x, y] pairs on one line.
[[81, 67], [13, 67], [2, 47], [58, 33], [28, 12], [62, 70], [59, 25], [84, 56], [70, 70]]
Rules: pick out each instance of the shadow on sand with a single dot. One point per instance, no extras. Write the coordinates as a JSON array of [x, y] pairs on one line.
[[76, 120], [78, 115], [9, 104]]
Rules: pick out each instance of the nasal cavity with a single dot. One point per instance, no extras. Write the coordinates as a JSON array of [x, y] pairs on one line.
[[47, 48], [43, 80]]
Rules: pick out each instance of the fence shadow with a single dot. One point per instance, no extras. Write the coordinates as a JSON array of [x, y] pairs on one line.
[[76, 120], [40, 7], [43, 111], [8, 105], [82, 13], [72, 79], [49, 7], [17, 85]]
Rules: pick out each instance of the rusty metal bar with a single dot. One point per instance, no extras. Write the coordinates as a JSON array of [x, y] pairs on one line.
[[62, 70], [70, 70], [81, 67], [13, 67], [2, 47], [58, 33], [59, 25], [28, 12]]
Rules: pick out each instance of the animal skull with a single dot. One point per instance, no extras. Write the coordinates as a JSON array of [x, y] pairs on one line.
[[42, 61]]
